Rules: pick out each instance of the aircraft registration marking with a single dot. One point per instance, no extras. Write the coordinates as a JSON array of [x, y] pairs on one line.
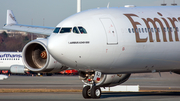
[[79, 42]]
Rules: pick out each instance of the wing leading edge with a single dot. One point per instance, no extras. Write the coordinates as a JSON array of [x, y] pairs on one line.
[[12, 24]]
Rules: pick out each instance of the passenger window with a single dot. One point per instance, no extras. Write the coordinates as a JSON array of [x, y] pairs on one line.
[[170, 29], [155, 30], [133, 30], [75, 30], [158, 30], [149, 30], [56, 30], [139, 30], [145, 30], [82, 30], [177, 29], [152, 30], [142, 30], [136, 30], [129, 30], [164, 29], [65, 30], [167, 29]]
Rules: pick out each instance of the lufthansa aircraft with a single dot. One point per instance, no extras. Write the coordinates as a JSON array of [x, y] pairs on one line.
[[12, 61], [106, 45]]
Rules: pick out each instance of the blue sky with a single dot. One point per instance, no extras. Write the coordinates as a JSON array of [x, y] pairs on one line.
[[54, 11]]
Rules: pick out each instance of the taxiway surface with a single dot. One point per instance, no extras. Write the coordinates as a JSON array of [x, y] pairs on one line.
[[168, 82], [76, 96]]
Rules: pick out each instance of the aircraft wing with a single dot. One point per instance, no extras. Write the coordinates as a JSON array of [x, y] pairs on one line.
[[28, 28], [12, 24]]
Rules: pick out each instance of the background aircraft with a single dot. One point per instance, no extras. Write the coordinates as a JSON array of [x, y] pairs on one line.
[[12, 61]]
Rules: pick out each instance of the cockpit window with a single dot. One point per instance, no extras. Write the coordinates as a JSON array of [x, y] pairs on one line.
[[82, 30], [75, 30], [66, 30], [56, 30]]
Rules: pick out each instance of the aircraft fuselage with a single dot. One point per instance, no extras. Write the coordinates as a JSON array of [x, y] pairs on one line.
[[120, 40]]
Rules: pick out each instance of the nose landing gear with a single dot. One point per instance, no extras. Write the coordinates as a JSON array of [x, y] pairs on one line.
[[94, 92], [86, 92], [91, 90]]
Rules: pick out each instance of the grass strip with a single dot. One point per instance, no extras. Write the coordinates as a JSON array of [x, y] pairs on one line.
[[37, 90]]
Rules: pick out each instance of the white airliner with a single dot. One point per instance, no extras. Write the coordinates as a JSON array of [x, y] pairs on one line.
[[108, 44], [12, 61]]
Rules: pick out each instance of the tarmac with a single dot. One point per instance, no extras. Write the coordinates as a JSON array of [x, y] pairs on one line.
[[59, 87]]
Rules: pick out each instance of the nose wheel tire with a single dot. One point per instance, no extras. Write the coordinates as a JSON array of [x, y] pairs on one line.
[[95, 92], [86, 92]]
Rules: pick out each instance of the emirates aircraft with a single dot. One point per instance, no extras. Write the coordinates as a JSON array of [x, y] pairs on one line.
[[107, 45]]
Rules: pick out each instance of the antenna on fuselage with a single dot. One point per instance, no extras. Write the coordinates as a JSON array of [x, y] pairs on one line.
[[78, 6], [163, 4], [108, 5], [174, 4]]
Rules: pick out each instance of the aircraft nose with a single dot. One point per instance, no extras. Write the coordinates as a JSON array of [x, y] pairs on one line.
[[56, 44], [52, 44]]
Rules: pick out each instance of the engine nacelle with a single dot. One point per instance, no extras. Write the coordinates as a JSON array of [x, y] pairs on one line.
[[110, 80], [106, 80], [18, 69], [37, 58]]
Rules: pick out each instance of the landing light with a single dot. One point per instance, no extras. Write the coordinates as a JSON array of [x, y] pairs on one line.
[[89, 80]]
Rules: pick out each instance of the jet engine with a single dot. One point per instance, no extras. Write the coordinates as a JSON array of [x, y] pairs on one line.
[[106, 80], [37, 58]]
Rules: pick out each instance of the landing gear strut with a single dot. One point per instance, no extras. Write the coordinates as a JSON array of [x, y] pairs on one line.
[[91, 90]]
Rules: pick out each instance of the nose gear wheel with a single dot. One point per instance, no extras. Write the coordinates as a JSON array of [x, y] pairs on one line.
[[86, 92], [94, 92]]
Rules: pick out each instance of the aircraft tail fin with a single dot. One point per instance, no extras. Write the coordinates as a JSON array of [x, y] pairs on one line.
[[10, 18]]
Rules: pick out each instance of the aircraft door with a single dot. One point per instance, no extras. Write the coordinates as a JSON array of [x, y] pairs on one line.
[[110, 31]]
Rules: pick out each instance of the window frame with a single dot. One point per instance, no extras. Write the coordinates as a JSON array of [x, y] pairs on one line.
[[56, 28], [76, 29], [66, 31], [129, 30], [80, 30]]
